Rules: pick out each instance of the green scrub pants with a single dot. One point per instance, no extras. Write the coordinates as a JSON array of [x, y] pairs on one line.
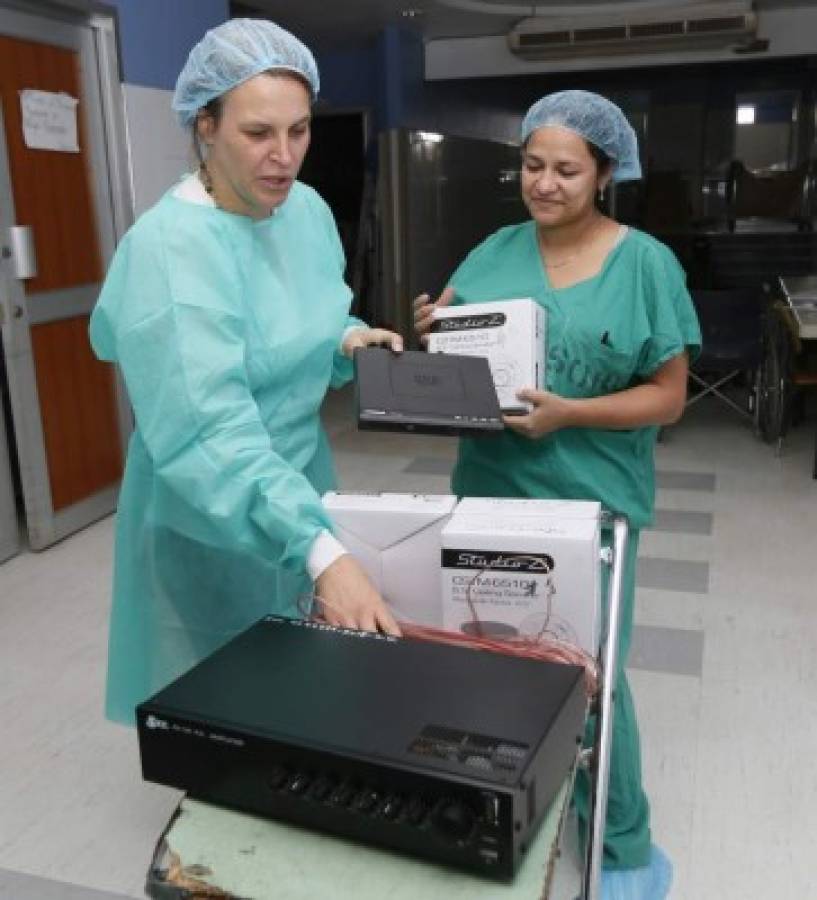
[[627, 829]]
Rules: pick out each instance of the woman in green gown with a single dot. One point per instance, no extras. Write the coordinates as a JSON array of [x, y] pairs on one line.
[[226, 310]]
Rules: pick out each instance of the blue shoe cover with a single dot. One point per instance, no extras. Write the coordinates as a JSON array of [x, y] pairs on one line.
[[650, 882]]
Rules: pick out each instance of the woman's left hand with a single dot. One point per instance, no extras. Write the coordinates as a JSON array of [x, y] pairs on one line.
[[550, 413], [371, 337]]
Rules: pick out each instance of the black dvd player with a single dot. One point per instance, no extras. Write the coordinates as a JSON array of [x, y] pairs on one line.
[[430, 393], [443, 752]]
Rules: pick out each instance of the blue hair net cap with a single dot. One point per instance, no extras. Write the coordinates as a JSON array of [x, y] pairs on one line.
[[234, 52], [597, 120]]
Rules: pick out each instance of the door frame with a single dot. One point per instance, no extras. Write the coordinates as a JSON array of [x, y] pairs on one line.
[[90, 30], [9, 530]]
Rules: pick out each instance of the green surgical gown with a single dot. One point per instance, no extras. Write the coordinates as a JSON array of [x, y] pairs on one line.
[[227, 331], [603, 335]]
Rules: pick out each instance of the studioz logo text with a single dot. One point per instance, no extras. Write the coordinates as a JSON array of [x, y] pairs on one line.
[[469, 323], [485, 559]]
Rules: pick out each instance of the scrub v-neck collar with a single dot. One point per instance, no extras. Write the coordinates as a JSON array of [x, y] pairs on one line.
[[621, 237]]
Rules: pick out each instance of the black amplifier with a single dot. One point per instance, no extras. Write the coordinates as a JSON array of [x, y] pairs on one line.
[[447, 753]]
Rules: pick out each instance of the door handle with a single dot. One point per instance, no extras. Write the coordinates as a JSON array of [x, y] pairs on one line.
[[20, 250], [17, 312], [14, 311]]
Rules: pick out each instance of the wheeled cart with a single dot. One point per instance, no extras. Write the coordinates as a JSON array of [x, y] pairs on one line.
[[597, 759], [206, 851]]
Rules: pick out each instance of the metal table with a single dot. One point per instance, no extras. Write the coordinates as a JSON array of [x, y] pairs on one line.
[[801, 297]]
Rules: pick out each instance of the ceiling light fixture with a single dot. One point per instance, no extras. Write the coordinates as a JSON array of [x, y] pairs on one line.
[[746, 114]]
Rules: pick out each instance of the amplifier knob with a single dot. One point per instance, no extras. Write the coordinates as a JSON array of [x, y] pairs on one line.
[[416, 811], [322, 787], [367, 800], [454, 820], [278, 777], [343, 793], [299, 783], [391, 808]]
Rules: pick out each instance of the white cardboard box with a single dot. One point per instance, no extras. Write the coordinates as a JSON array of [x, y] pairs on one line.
[[396, 538], [525, 572], [509, 333]]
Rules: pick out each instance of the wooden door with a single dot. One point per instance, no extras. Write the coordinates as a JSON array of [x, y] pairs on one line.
[[67, 414]]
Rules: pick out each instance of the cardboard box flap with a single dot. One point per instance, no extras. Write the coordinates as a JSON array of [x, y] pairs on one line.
[[550, 509], [518, 526], [384, 520]]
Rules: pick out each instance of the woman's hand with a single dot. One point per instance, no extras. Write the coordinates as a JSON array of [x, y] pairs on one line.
[[424, 312], [348, 599], [658, 401], [550, 413], [370, 337]]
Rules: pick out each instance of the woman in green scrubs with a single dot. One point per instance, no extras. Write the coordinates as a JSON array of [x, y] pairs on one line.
[[620, 331], [226, 310]]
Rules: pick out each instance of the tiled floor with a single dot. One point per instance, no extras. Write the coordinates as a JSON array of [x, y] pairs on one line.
[[723, 666]]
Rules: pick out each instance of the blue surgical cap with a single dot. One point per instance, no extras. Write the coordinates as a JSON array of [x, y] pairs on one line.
[[234, 52], [594, 118]]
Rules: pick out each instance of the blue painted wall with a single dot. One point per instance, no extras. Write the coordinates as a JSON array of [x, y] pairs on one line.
[[370, 76], [387, 77], [156, 36], [349, 78], [483, 108], [394, 70]]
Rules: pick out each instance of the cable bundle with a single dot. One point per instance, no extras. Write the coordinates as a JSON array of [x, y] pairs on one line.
[[538, 647], [542, 645]]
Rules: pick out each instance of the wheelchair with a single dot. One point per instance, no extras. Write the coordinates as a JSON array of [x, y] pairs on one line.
[[788, 368], [774, 385], [732, 350]]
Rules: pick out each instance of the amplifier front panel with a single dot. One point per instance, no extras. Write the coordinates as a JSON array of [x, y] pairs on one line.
[[479, 828]]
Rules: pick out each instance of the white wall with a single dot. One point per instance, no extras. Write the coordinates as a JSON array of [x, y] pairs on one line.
[[160, 150], [790, 32]]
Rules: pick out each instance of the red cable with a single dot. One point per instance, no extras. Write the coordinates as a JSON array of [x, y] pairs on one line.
[[538, 647]]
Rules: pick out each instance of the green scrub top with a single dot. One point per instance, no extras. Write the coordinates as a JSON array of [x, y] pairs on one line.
[[227, 331], [604, 334]]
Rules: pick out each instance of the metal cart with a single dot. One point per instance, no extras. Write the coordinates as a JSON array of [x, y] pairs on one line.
[[204, 849], [597, 758]]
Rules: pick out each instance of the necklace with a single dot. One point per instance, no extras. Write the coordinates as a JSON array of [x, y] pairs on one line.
[[569, 259], [206, 180]]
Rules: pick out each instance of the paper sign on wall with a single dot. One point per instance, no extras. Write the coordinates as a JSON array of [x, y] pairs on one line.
[[49, 121]]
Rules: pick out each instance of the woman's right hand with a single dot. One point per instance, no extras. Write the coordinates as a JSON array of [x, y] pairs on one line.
[[348, 599], [424, 312]]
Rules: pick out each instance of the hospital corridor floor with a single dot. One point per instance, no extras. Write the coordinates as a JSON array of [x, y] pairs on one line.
[[723, 669]]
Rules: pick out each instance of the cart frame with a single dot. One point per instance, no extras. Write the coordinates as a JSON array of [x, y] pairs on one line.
[[597, 758]]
